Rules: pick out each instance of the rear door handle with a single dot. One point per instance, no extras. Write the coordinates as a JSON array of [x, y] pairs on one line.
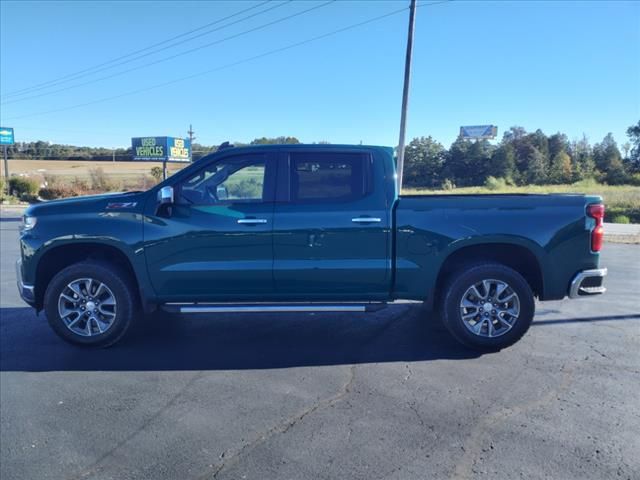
[[252, 221], [366, 220]]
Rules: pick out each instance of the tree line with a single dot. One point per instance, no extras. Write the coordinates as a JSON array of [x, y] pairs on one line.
[[41, 150], [520, 158]]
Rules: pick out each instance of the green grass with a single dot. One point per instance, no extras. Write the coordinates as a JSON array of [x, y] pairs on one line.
[[619, 199]]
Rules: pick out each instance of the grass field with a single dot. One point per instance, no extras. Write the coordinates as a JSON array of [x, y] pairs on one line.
[[69, 169], [612, 194], [619, 199]]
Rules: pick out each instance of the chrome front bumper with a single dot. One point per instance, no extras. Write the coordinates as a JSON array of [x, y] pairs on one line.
[[588, 282], [26, 291]]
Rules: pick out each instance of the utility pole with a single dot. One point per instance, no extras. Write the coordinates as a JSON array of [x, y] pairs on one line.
[[191, 139], [6, 169], [405, 92]]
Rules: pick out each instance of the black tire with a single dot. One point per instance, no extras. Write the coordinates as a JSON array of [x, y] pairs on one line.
[[459, 283], [120, 286]]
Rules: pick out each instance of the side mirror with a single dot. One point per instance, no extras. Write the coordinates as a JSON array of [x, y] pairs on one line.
[[165, 201], [165, 196]]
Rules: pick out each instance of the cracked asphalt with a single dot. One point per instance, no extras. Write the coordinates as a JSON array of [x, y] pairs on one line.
[[365, 396]]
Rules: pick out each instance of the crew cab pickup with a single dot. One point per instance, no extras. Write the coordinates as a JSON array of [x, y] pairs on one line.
[[300, 228]]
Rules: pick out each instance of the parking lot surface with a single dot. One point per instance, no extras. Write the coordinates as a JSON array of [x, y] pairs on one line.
[[290, 396]]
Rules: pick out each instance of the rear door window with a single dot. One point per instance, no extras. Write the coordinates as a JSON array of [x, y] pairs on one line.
[[329, 177]]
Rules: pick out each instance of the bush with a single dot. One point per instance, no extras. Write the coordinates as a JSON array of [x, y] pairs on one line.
[[621, 219], [635, 179], [23, 187], [99, 180], [156, 173], [493, 183], [589, 182], [80, 185], [61, 191], [448, 184], [630, 213]]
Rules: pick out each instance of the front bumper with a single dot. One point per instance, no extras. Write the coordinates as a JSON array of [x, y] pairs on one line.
[[27, 292], [587, 283]]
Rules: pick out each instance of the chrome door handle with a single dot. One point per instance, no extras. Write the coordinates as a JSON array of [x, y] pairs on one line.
[[252, 221], [366, 220]]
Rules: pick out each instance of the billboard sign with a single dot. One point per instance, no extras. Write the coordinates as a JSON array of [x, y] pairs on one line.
[[6, 136], [161, 149], [479, 132]]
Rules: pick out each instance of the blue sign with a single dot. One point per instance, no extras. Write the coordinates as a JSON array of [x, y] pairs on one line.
[[161, 149], [479, 131], [6, 136]]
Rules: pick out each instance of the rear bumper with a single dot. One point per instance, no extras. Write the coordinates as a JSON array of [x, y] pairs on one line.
[[26, 291], [587, 283]]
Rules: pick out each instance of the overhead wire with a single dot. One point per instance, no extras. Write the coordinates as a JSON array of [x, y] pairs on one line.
[[153, 53], [91, 69], [233, 64]]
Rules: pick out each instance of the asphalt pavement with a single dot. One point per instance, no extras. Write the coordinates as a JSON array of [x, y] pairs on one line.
[[312, 396]]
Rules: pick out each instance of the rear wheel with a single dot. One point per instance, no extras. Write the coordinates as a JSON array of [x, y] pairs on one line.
[[487, 306], [90, 304]]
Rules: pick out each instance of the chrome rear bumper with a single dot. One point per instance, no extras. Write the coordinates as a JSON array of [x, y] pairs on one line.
[[588, 282]]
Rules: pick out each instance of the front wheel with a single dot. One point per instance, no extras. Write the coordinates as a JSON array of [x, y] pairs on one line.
[[487, 306], [90, 304]]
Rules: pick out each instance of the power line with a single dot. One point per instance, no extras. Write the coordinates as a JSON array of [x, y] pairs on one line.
[[165, 59], [138, 58], [56, 81], [229, 65]]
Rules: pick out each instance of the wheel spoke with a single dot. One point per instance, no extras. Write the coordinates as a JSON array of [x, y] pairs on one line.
[[108, 301], [477, 328], [101, 289], [490, 329], [69, 298], [106, 312], [468, 303], [97, 322], [508, 297], [486, 284], [503, 322], [75, 288], [74, 321], [87, 328], [64, 314], [501, 287], [469, 315], [475, 291]]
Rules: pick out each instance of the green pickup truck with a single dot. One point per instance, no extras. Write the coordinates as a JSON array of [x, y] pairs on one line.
[[302, 228]]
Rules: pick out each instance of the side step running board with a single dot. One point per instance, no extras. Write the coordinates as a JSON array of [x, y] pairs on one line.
[[270, 307]]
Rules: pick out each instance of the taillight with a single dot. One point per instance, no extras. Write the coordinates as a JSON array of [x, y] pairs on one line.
[[596, 211]]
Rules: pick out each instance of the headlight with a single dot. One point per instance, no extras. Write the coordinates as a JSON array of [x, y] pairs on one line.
[[28, 222]]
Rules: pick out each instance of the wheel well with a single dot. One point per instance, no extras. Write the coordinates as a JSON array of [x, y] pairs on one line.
[[521, 259], [61, 257]]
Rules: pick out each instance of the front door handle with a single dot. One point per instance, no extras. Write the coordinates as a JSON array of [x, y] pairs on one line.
[[252, 221], [366, 220]]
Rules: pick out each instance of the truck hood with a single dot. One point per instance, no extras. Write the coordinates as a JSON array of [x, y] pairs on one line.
[[121, 201]]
